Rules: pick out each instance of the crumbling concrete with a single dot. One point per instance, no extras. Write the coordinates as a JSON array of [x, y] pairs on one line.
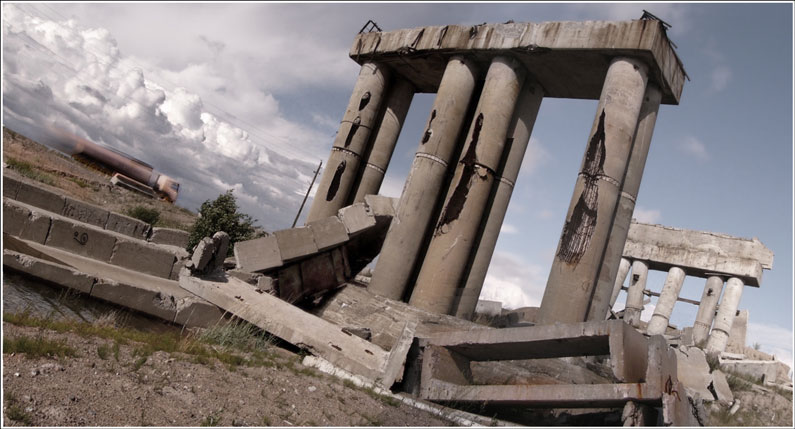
[[170, 237]]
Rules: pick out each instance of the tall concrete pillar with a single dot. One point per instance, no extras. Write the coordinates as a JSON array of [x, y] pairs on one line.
[[386, 137], [350, 144], [621, 277], [637, 284], [518, 136], [706, 309], [589, 221], [444, 267], [723, 321], [665, 303], [403, 242], [602, 298]]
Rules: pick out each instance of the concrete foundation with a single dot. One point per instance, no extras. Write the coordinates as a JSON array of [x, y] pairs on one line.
[[665, 303], [337, 183], [589, 222], [722, 325], [706, 310], [455, 234], [519, 136], [423, 188]]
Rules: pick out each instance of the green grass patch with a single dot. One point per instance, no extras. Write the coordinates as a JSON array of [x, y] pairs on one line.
[[28, 170], [37, 347], [103, 351], [79, 182], [145, 214]]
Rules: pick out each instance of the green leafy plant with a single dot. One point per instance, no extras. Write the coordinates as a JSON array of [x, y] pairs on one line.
[[145, 214], [221, 214]]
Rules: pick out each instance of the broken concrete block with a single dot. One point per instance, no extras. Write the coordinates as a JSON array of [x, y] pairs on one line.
[[81, 240], [127, 226], [10, 187], [258, 255], [148, 300], [266, 284], [221, 244], [721, 387], [296, 243], [84, 212], [317, 274], [202, 254], [15, 217], [40, 197], [380, 206], [356, 218], [144, 257], [328, 232], [176, 268], [693, 371], [169, 236], [48, 271], [193, 311], [25, 222], [37, 228]]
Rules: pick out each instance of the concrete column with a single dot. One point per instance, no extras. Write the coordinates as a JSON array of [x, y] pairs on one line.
[[518, 136], [626, 204], [665, 303], [706, 309], [342, 169], [397, 106], [403, 242], [621, 277], [723, 321], [637, 284], [579, 257], [443, 270]]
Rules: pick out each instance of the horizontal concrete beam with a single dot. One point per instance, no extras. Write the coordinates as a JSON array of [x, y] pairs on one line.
[[698, 253], [568, 59]]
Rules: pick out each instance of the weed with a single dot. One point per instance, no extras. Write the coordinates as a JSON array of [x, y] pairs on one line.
[[239, 334], [736, 383], [266, 421], [212, 420], [116, 350], [28, 170], [145, 214], [139, 363], [349, 384], [386, 400], [102, 351], [15, 412], [37, 347], [79, 182]]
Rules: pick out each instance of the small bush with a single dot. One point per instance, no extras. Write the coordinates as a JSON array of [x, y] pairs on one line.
[[102, 351], [221, 214], [145, 214]]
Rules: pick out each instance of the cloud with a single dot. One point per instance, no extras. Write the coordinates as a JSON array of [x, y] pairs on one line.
[[534, 156], [644, 215], [773, 340], [507, 228], [694, 147], [59, 74], [677, 15], [513, 281], [720, 78]]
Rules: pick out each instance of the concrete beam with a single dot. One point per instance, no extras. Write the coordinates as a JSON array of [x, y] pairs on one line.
[[569, 59], [699, 253]]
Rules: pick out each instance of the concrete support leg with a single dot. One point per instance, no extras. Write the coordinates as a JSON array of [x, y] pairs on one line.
[[602, 298], [637, 284], [342, 168], [621, 277], [706, 309], [723, 321], [518, 136], [665, 303], [397, 106], [579, 257], [403, 242], [443, 270]]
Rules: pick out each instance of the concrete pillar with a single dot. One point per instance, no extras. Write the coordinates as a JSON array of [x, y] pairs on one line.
[[397, 106], [621, 277], [518, 136], [723, 321], [443, 270], [637, 284], [665, 303], [350, 144], [403, 242], [706, 309], [603, 298], [582, 246]]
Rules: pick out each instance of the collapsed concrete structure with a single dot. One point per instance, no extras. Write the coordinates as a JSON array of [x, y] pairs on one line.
[[409, 329]]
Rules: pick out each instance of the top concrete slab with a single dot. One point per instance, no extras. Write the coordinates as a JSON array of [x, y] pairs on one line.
[[568, 59], [699, 253]]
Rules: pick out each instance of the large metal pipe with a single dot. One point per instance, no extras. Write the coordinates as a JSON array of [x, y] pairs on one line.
[[126, 165]]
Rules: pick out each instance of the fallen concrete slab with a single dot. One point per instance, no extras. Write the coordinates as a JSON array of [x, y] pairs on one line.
[[302, 329], [693, 370]]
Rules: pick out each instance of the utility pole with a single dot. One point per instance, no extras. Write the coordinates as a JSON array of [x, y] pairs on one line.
[[307, 194]]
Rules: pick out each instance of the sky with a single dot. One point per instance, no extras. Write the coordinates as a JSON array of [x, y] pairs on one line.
[[249, 97]]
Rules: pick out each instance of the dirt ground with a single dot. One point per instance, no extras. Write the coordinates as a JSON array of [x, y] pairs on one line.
[[74, 179], [169, 389]]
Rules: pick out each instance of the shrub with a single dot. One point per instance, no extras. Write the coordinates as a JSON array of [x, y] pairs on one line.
[[221, 214], [145, 214]]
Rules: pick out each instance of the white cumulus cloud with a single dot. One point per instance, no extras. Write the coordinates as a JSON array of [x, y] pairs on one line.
[[772, 339], [513, 281], [694, 147], [644, 215]]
